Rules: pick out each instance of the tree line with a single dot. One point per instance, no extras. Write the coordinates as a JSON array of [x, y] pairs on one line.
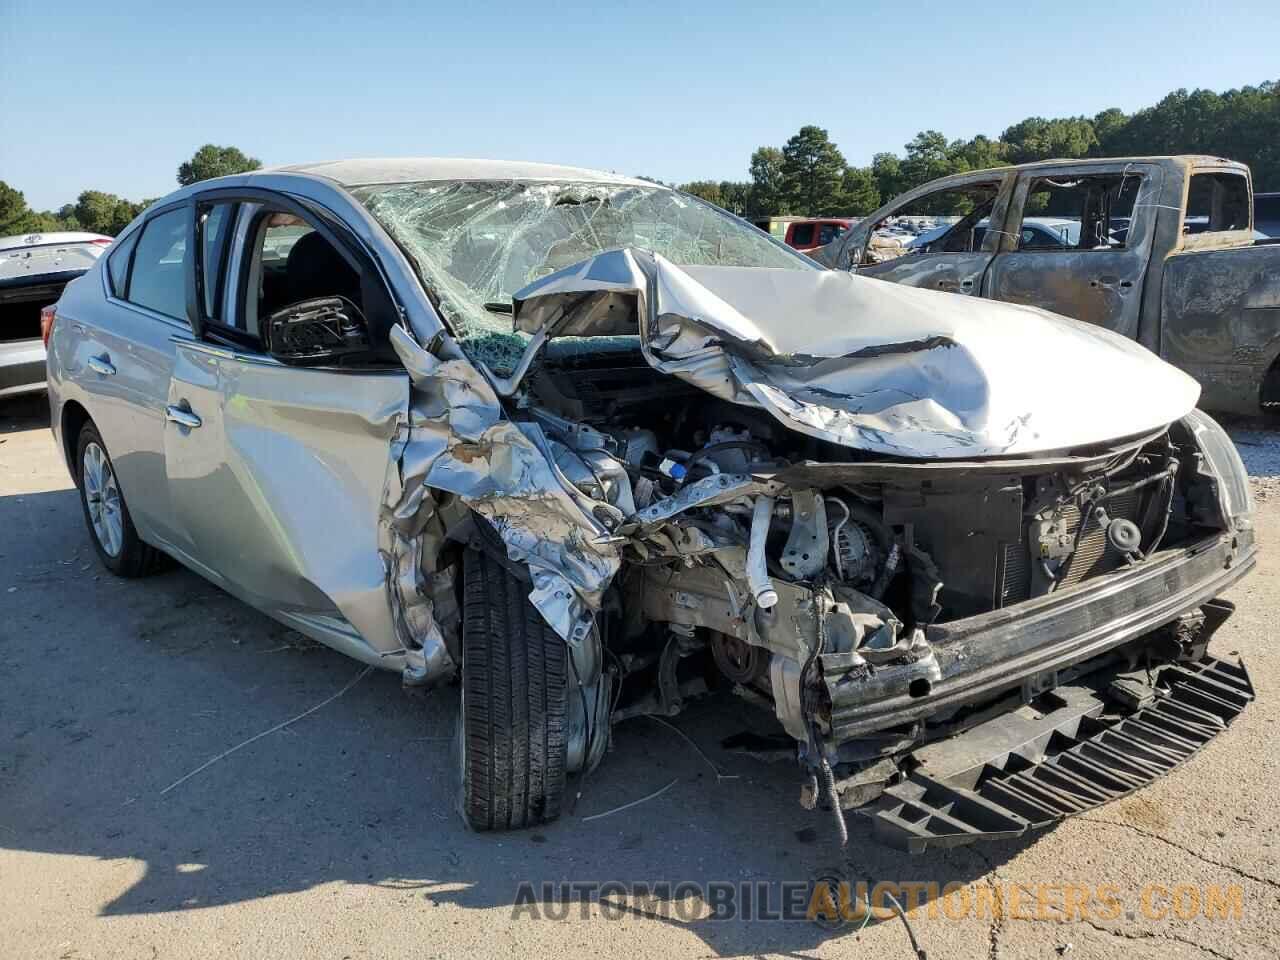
[[98, 212], [808, 176]]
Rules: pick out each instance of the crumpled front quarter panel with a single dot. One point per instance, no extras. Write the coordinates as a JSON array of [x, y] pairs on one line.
[[460, 442]]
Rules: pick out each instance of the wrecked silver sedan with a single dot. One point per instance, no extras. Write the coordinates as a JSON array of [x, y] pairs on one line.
[[595, 446]]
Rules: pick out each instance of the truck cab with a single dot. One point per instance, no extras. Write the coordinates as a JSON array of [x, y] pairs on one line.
[[1159, 249], [808, 235]]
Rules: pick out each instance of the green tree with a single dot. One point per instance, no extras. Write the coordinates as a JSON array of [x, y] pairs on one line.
[[859, 194], [812, 171], [100, 212], [707, 190], [1108, 127], [66, 216], [214, 161], [1039, 139], [979, 153], [735, 196], [17, 218], [927, 159], [14, 211], [95, 210], [767, 183], [1242, 124], [886, 168]]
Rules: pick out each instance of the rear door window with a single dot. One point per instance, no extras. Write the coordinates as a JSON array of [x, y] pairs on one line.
[[1217, 203], [1266, 214], [158, 279], [802, 235]]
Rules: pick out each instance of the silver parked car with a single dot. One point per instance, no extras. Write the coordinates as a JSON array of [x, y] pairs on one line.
[[596, 447], [34, 269]]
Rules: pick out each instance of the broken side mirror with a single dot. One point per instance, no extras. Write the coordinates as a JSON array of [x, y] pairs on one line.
[[853, 249], [316, 331]]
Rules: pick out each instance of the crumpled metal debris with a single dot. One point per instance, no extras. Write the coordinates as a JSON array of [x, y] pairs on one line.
[[865, 364], [458, 441]]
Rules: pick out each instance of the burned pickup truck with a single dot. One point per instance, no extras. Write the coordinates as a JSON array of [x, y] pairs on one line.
[[1159, 249], [597, 447]]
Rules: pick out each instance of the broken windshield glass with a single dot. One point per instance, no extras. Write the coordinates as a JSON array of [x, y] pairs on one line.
[[476, 242]]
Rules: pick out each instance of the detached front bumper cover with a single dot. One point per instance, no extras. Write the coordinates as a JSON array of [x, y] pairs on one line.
[[975, 787]]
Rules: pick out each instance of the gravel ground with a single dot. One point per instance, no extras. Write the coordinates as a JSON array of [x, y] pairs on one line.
[[1260, 450], [336, 837]]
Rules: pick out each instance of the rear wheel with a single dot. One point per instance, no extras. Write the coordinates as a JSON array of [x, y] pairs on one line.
[[513, 726], [105, 512]]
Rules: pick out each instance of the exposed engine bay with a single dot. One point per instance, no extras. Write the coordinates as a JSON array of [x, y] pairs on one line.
[[726, 477], [815, 580]]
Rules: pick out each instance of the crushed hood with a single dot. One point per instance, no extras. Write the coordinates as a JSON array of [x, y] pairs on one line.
[[868, 364]]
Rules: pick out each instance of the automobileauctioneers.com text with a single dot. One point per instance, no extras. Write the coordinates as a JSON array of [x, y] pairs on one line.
[[846, 901]]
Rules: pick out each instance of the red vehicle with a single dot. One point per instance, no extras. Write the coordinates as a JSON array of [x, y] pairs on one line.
[[807, 235]]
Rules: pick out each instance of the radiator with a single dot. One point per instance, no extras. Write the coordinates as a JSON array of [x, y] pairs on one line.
[[1093, 555]]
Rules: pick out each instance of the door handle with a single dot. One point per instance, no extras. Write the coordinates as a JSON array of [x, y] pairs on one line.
[[182, 416], [101, 365]]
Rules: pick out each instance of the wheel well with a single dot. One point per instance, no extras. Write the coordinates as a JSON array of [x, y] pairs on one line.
[[1269, 394], [74, 417]]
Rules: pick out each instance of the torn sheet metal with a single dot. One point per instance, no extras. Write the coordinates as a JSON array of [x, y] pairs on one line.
[[458, 441], [408, 523], [865, 364]]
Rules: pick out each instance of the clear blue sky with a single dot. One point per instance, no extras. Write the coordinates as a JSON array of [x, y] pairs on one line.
[[115, 94]]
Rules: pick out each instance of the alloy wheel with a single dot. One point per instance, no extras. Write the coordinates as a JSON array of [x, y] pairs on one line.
[[102, 496]]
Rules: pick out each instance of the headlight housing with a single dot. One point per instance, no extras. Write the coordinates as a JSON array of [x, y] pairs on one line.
[[1222, 458]]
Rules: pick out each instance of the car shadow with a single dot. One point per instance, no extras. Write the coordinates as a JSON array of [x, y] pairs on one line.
[[29, 411], [112, 690]]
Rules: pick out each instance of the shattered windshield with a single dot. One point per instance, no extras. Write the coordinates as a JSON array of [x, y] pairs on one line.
[[476, 242]]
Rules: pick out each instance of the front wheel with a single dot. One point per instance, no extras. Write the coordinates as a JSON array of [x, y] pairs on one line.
[[513, 718]]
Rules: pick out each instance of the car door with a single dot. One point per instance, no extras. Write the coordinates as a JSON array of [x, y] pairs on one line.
[[124, 359], [953, 257], [1092, 262], [278, 471]]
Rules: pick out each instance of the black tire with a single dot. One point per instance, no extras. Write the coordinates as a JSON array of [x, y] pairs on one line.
[[132, 557], [513, 711]]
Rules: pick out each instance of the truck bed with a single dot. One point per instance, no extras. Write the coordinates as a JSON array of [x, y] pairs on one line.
[[1224, 304]]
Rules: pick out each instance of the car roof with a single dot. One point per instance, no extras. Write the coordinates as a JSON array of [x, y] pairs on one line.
[[45, 239], [362, 172]]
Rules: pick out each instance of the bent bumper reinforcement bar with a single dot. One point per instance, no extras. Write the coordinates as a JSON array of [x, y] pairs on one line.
[[981, 656]]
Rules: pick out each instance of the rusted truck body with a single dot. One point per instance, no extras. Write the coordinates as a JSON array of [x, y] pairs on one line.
[[1166, 254]]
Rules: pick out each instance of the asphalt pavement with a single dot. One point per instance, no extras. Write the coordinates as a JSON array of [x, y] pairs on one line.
[[336, 836]]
